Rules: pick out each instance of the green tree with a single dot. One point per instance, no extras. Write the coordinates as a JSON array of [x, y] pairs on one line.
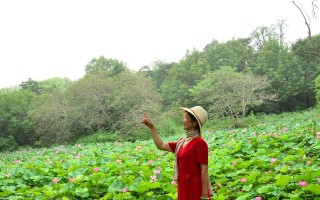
[[52, 84], [15, 111], [74, 111], [237, 53], [96, 103], [309, 69], [110, 66], [134, 95], [32, 85], [225, 92], [317, 88], [157, 72], [52, 119], [183, 76], [281, 67], [91, 100], [261, 35]]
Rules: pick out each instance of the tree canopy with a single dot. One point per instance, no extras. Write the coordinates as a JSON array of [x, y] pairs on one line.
[[230, 78]]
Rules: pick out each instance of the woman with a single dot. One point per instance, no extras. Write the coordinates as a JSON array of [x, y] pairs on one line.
[[191, 154]]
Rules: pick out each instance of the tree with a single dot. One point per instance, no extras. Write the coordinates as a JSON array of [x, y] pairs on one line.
[[79, 109], [281, 67], [237, 53], [317, 90], [32, 85], [183, 76], [157, 72], [15, 111], [135, 94], [309, 67], [96, 103], [262, 35], [52, 84], [225, 92], [91, 102], [52, 120], [110, 66]]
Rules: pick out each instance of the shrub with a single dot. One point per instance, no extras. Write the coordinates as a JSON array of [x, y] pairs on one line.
[[100, 137], [317, 83], [8, 144]]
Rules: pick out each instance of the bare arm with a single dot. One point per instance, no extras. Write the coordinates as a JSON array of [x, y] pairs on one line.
[[155, 136], [204, 180]]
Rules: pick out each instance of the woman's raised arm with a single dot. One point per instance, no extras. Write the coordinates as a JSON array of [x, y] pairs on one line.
[[155, 136]]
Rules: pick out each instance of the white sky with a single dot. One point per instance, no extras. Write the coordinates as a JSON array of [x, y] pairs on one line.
[[42, 39]]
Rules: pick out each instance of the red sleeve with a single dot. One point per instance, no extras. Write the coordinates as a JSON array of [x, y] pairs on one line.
[[173, 145], [202, 152]]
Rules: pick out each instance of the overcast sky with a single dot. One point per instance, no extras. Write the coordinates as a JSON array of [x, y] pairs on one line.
[[42, 39]]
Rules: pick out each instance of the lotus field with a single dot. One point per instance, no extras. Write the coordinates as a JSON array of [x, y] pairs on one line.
[[278, 160]]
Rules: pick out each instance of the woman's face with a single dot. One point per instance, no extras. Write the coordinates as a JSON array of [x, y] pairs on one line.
[[188, 124]]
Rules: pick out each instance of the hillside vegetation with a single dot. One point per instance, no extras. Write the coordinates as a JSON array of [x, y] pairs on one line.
[[261, 73]]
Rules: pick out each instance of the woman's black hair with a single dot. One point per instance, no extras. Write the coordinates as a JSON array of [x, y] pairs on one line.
[[194, 119]]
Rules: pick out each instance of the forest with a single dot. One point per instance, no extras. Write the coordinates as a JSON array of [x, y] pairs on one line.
[[261, 74]]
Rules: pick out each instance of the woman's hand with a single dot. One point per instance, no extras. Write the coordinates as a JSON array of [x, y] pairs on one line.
[[147, 121]]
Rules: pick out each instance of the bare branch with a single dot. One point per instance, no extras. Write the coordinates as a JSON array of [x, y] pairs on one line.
[[304, 17], [316, 49]]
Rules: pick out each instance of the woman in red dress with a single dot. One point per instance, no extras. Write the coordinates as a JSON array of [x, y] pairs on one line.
[[191, 155]]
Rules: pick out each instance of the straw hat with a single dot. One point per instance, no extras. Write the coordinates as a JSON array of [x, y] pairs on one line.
[[199, 113]]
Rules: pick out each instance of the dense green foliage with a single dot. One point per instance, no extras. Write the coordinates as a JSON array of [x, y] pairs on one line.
[[111, 98], [95, 103], [317, 85], [15, 120], [277, 159], [227, 92], [110, 66]]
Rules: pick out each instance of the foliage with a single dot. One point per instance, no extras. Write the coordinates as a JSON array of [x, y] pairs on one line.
[[134, 95], [157, 72], [275, 160], [100, 137], [110, 97], [226, 92], [95, 103], [52, 84], [8, 143], [282, 69], [317, 88], [309, 68], [90, 100], [183, 76], [169, 123], [31, 85], [15, 120], [263, 35], [110, 66], [52, 119], [236, 53]]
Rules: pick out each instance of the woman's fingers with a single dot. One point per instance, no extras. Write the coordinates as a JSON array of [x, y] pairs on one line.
[[146, 116], [146, 120]]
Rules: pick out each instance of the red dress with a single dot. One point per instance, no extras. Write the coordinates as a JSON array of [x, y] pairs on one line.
[[189, 158]]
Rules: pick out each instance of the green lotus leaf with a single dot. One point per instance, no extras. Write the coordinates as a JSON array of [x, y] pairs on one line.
[[82, 192], [247, 187], [282, 180], [116, 186], [314, 189], [264, 189]]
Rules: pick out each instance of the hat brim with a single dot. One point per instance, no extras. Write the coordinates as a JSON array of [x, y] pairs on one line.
[[183, 110]]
